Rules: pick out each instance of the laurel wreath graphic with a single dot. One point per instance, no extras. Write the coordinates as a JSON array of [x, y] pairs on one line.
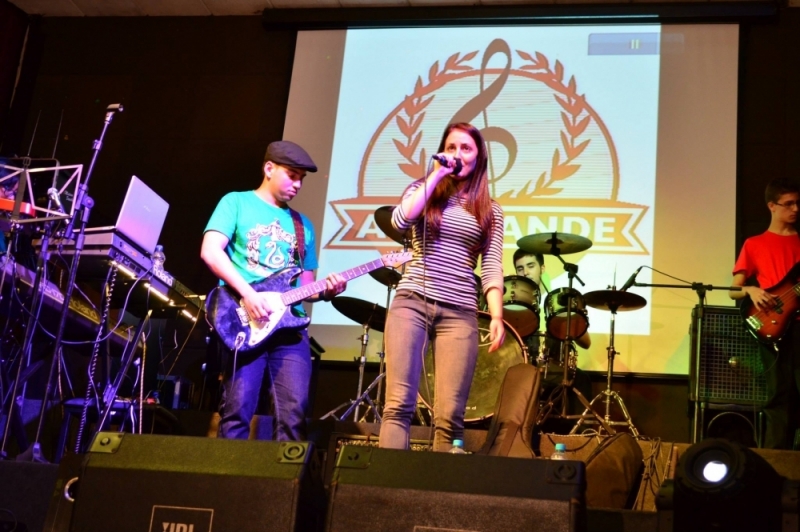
[[414, 106], [574, 115], [573, 105]]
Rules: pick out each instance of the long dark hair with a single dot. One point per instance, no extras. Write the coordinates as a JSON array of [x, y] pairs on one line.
[[475, 188]]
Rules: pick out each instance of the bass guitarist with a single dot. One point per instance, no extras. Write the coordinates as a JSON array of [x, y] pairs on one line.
[[250, 236], [768, 258]]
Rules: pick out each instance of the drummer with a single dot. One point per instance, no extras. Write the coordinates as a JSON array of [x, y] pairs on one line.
[[531, 265]]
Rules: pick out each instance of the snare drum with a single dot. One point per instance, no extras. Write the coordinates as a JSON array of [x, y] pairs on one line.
[[555, 309], [490, 370], [521, 304]]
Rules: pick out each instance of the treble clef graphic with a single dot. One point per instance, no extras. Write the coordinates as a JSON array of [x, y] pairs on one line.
[[479, 105]]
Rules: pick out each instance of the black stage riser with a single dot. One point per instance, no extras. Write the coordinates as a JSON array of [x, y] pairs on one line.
[[388, 490]]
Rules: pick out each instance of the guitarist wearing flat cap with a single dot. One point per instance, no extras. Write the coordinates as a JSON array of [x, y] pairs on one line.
[[254, 239], [770, 307]]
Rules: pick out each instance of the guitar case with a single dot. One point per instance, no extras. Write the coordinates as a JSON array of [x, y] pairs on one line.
[[517, 407]]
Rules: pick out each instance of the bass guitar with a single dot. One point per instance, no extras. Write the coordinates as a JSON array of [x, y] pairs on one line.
[[227, 315], [769, 324]]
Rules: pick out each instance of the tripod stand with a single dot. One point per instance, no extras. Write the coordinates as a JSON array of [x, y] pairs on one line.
[[611, 300]]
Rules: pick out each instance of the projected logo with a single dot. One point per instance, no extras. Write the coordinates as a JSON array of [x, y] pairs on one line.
[[552, 161]]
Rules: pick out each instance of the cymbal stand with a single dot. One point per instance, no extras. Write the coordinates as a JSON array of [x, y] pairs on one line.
[[566, 381], [360, 397], [382, 365], [608, 394]]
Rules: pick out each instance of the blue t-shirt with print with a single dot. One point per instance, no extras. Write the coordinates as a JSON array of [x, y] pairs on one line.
[[261, 239]]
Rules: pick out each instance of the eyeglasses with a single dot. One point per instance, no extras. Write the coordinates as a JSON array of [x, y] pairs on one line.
[[789, 204]]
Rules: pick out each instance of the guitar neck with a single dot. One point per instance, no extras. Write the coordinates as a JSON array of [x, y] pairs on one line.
[[298, 294]]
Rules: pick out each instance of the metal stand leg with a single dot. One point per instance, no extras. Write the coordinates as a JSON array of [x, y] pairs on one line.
[[364, 397], [608, 395]]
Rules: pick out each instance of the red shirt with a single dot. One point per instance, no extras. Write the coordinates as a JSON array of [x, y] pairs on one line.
[[768, 256]]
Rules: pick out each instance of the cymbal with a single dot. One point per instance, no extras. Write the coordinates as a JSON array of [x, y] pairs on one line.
[[615, 300], [383, 219], [361, 312], [386, 276], [554, 243]]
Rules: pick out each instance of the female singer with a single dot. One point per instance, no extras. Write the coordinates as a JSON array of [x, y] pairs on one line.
[[453, 221]]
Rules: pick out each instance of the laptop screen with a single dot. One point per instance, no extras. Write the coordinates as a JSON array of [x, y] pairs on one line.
[[142, 215]]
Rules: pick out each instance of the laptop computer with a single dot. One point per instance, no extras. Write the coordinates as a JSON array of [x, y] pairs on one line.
[[141, 217]]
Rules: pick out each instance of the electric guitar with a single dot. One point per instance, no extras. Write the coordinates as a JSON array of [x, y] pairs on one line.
[[770, 324], [238, 330]]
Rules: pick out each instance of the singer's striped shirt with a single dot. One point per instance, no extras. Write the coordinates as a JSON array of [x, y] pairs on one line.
[[448, 261]]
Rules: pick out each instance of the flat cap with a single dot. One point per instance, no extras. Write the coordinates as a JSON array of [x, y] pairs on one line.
[[288, 153]]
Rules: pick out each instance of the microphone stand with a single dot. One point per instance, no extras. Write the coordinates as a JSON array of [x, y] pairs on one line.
[[84, 206], [700, 289]]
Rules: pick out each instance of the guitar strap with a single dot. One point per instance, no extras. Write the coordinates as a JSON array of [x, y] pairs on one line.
[[300, 235]]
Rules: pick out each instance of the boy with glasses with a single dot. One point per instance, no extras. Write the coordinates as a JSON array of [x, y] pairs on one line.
[[767, 258]]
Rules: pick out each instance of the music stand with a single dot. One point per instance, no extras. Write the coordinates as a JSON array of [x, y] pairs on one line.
[[47, 215]]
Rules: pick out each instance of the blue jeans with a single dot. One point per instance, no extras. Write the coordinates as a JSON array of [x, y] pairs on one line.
[[284, 366], [454, 334]]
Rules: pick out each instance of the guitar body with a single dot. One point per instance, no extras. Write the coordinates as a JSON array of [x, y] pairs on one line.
[[225, 313], [770, 324], [229, 318]]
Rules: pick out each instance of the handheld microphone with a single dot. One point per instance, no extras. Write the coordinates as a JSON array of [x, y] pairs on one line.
[[631, 280], [441, 159]]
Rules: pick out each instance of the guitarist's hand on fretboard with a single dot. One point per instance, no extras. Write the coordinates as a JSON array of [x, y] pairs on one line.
[[760, 297], [335, 284]]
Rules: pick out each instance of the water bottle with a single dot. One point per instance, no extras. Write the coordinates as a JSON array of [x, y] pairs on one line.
[[458, 447], [560, 452], [158, 259]]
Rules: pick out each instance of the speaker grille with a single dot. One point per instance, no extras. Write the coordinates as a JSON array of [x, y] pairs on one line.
[[731, 369]]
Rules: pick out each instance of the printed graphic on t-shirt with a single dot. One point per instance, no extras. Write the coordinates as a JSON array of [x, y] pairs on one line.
[[277, 245]]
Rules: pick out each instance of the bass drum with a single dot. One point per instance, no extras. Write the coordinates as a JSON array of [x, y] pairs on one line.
[[555, 308], [490, 370]]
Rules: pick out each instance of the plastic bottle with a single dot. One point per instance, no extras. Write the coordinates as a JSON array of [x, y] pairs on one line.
[[458, 447], [560, 452], [159, 258]]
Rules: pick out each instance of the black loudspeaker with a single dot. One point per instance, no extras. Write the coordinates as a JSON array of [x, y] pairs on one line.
[[141, 483], [731, 369], [25, 489], [404, 491]]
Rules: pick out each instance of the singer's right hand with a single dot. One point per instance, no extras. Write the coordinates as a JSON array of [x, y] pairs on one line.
[[444, 169]]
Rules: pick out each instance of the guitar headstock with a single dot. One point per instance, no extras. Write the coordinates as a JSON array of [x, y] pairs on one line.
[[395, 259]]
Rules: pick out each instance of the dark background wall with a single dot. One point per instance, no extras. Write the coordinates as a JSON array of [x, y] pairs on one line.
[[204, 96]]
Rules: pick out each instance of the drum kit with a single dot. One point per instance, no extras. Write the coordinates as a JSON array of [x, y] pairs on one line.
[[566, 319]]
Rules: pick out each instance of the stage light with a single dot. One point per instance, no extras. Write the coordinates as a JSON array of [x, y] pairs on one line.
[[721, 486]]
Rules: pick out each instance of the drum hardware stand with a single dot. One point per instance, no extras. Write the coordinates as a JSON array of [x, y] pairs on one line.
[[378, 406], [608, 394], [700, 289], [566, 381], [360, 397]]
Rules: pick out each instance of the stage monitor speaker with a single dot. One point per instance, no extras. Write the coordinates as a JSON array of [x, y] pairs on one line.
[[147, 483], [25, 489], [403, 491], [731, 370]]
